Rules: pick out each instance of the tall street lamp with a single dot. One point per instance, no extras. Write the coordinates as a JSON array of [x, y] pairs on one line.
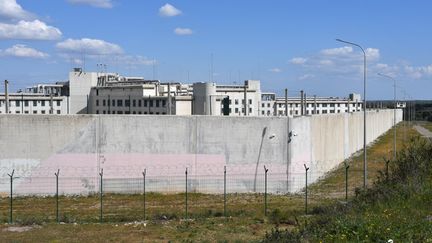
[[394, 111], [364, 110]]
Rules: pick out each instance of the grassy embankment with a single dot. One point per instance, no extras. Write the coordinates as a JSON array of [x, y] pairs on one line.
[[165, 213]]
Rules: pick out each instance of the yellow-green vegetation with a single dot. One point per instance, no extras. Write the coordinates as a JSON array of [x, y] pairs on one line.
[[165, 213], [396, 207], [427, 125]]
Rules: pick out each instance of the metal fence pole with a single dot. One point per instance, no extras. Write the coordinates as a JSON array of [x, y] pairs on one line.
[[57, 195], [346, 181], [387, 168], [265, 190], [186, 194], [144, 193], [101, 195], [11, 197], [306, 189], [225, 213]]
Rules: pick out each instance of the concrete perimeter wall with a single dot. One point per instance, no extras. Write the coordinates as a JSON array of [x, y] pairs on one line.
[[81, 145]]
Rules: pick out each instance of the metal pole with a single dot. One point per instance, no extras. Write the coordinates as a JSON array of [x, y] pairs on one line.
[[265, 190], [101, 195], [6, 84], [346, 181], [57, 195], [286, 102], [11, 197], [394, 111], [306, 189], [225, 212], [301, 103], [364, 111], [144, 193], [186, 194]]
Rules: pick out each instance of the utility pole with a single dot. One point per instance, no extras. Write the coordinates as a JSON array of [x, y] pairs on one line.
[[6, 84], [301, 102], [245, 98], [286, 102]]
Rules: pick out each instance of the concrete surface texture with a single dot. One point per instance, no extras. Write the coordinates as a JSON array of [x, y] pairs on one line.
[[123, 146]]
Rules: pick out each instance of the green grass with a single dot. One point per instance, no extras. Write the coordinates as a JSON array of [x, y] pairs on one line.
[[397, 206], [166, 212]]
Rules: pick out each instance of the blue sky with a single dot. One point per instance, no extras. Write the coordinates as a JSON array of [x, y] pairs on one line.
[[285, 44]]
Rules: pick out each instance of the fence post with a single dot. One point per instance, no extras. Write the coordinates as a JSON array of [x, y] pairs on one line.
[[101, 195], [306, 191], [265, 190], [346, 181], [186, 194], [144, 193], [11, 197], [225, 214], [57, 195]]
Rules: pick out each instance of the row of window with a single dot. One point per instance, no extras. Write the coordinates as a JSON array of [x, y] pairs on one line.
[[236, 110], [135, 103], [309, 105], [307, 112], [36, 112], [27, 102], [127, 112]]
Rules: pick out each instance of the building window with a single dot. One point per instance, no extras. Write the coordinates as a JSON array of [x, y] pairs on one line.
[[134, 103], [34, 103], [104, 112], [58, 102], [127, 112], [97, 102], [26, 112], [157, 103], [34, 112], [268, 105], [43, 112], [134, 112], [236, 101], [139, 103], [104, 102], [26, 103], [43, 103], [120, 103], [250, 110], [250, 102], [97, 111], [229, 102], [145, 103], [163, 103], [119, 112], [17, 112], [151, 103], [97, 92], [262, 112], [145, 112], [236, 110], [58, 111], [127, 103], [324, 105], [139, 112], [17, 103], [263, 105], [324, 111], [332, 105]]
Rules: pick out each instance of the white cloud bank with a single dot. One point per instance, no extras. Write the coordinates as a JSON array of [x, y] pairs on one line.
[[23, 51], [169, 10], [29, 30], [89, 47], [275, 70], [94, 3], [183, 31], [10, 9]]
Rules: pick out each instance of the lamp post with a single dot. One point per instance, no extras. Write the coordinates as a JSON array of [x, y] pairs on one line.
[[364, 110], [394, 111]]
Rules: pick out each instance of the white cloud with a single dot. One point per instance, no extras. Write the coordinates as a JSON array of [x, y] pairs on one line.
[[183, 31], [29, 30], [23, 51], [94, 3], [306, 76], [372, 54], [340, 51], [298, 60], [89, 47], [169, 10], [10, 9], [275, 70], [418, 72], [136, 60], [326, 62]]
